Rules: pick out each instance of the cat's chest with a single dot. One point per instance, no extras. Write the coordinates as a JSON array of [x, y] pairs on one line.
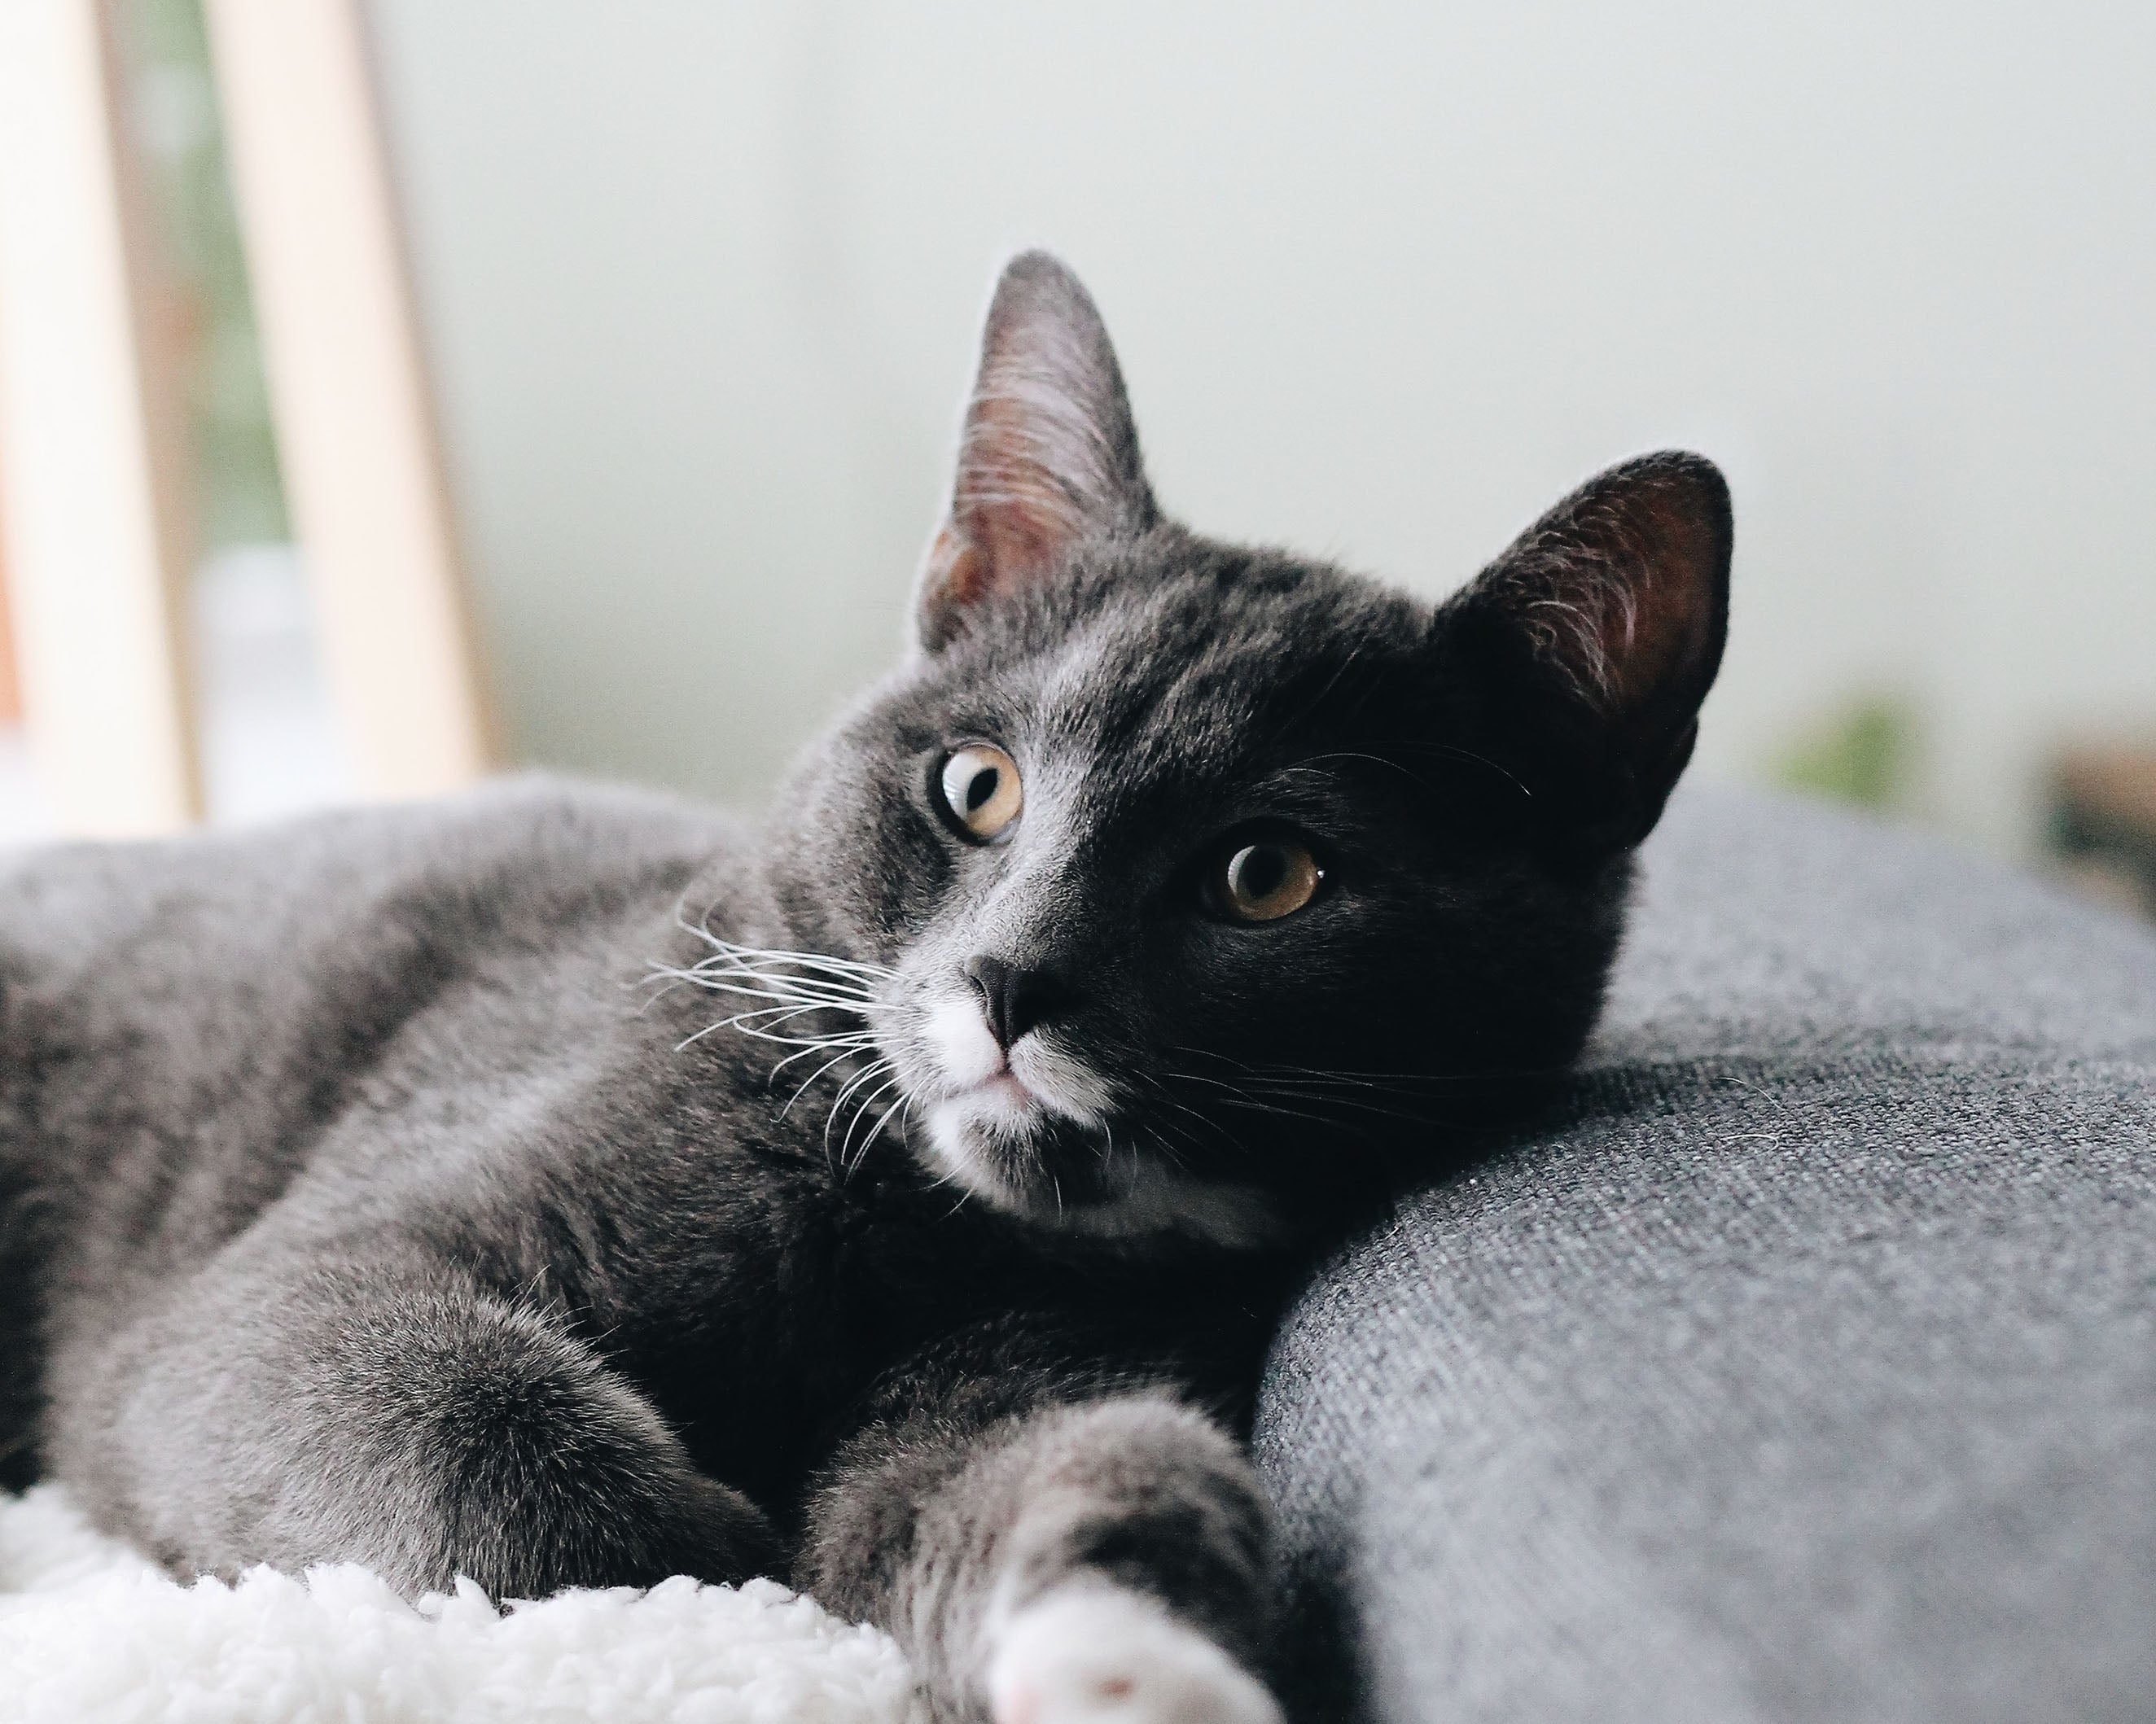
[[765, 1290], [757, 1325], [810, 1286], [857, 1277]]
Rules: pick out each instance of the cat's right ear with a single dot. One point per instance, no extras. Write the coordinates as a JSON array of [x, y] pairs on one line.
[[1048, 456], [1580, 657]]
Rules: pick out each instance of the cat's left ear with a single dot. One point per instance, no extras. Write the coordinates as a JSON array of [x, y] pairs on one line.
[[1048, 457], [1586, 650]]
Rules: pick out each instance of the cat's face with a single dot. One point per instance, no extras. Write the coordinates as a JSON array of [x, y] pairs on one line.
[[1208, 880]]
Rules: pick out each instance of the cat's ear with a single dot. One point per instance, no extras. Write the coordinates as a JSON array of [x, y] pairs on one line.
[[1048, 455], [1590, 643]]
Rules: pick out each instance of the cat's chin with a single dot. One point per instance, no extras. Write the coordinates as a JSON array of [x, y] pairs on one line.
[[1061, 1174]]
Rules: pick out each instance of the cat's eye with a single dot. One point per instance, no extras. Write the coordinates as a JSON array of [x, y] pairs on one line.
[[1264, 880], [979, 787]]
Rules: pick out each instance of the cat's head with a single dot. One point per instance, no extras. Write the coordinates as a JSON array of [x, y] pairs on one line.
[[1208, 878]]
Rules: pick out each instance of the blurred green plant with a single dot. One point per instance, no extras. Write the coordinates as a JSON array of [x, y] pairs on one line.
[[1863, 752], [172, 102]]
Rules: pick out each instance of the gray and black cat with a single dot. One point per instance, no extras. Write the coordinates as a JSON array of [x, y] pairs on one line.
[[917, 1231]]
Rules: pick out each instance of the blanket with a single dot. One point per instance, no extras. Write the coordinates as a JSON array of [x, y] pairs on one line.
[[93, 1632]]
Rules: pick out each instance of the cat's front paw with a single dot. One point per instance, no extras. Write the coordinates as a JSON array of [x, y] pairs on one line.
[[1099, 1655]]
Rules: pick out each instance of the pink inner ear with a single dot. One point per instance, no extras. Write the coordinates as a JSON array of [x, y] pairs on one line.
[[1012, 504], [1619, 585], [1048, 455], [958, 572], [1656, 592]]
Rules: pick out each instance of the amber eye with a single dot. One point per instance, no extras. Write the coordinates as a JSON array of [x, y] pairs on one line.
[[980, 790], [1265, 880]]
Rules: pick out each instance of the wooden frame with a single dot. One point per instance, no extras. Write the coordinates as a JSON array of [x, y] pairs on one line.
[[92, 453], [91, 460], [10, 692], [354, 434]]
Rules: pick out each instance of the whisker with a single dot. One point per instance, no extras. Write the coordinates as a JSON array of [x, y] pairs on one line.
[[784, 989], [848, 1045], [788, 986], [895, 1109], [726, 963], [1258, 1094], [817, 1077], [723, 948], [1379, 1079], [847, 1160], [742, 1022], [869, 1074]]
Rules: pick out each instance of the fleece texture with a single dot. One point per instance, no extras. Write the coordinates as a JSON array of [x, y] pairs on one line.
[[1802, 1365], [90, 1633]]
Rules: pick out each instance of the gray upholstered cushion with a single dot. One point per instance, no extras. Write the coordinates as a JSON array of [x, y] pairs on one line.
[[1803, 1366]]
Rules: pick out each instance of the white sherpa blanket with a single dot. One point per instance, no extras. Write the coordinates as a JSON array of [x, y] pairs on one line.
[[90, 1633]]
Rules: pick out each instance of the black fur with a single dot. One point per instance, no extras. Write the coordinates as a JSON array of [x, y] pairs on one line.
[[359, 1205]]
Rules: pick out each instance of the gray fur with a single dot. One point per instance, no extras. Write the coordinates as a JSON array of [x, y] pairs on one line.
[[415, 1187]]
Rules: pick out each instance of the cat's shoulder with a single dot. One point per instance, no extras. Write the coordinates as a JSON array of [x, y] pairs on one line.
[[539, 822], [547, 843]]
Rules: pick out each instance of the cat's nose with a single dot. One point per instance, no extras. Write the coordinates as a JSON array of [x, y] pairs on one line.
[[1012, 999]]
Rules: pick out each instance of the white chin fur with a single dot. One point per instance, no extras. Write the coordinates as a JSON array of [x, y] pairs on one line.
[[1003, 1102], [1156, 1199], [1052, 1078], [1065, 1083], [1099, 1655], [952, 1127]]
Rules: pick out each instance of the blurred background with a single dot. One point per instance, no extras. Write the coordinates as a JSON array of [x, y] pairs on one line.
[[693, 288]]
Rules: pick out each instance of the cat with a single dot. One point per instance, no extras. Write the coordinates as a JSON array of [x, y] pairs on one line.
[[561, 1186]]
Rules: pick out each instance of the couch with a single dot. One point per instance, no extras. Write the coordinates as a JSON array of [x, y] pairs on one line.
[[1800, 1364]]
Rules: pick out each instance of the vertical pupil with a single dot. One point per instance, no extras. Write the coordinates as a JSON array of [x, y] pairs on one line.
[[983, 786], [1264, 867]]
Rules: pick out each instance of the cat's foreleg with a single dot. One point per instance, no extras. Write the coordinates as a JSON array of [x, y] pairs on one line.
[[300, 1408], [1101, 1558]]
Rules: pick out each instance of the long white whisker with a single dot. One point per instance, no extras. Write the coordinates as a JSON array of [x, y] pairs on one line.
[[788, 986], [852, 1083], [777, 969], [756, 985], [905, 1101], [817, 1076], [771, 1017], [837, 1157], [847, 1160], [742, 1022], [805, 960], [848, 1046]]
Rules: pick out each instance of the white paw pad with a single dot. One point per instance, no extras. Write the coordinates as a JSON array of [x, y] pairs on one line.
[[1099, 1655]]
